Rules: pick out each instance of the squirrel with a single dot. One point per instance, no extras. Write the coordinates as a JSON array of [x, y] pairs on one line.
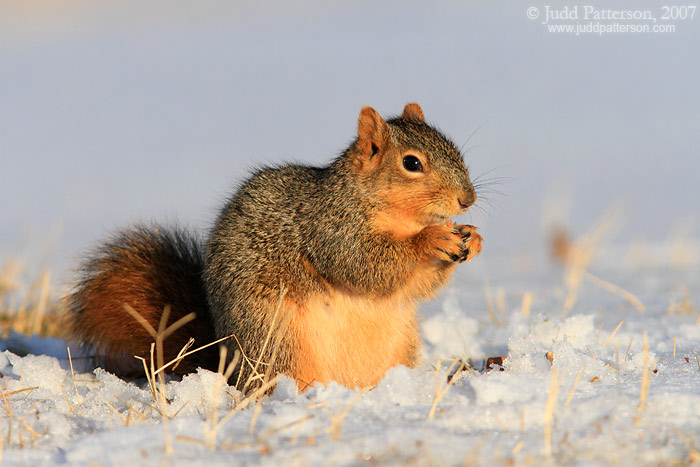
[[311, 272]]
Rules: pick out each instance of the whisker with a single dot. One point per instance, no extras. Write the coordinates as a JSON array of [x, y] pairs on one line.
[[482, 210], [471, 148], [492, 181], [491, 191], [470, 137], [492, 204]]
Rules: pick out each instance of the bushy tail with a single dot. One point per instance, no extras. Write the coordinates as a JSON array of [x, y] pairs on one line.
[[147, 268]]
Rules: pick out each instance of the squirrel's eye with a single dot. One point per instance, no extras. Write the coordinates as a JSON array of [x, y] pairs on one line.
[[412, 164]]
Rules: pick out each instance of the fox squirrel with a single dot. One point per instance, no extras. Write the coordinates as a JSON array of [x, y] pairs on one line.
[[316, 272]]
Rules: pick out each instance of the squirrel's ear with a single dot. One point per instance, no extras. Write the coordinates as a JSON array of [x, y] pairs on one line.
[[413, 111], [372, 136]]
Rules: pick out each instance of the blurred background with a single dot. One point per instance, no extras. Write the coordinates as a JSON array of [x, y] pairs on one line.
[[119, 111]]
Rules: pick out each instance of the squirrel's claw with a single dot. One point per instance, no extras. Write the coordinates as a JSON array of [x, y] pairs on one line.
[[442, 242], [472, 242], [450, 242]]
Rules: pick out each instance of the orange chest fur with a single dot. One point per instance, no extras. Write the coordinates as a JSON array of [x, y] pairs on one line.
[[350, 339]]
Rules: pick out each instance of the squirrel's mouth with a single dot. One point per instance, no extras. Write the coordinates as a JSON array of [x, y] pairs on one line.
[[437, 219], [443, 213]]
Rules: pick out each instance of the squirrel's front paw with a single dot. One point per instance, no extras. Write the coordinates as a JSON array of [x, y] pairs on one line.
[[444, 242], [472, 242]]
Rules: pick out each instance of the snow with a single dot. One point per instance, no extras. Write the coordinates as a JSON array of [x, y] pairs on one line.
[[114, 112], [483, 417]]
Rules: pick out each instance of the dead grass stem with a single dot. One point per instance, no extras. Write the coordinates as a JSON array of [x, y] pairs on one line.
[[607, 341], [646, 374], [549, 409], [441, 386]]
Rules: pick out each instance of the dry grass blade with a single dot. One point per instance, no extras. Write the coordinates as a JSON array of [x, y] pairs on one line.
[[163, 322], [248, 362], [526, 304], [255, 375], [30, 410], [72, 375], [8, 410], [223, 351], [213, 430], [549, 410], [254, 419], [675, 338], [646, 374], [141, 320], [40, 310], [272, 431], [124, 419], [212, 422], [578, 257], [4, 394], [70, 405], [133, 410], [182, 354], [574, 386], [180, 409], [284, 324], [30, 429], [441, 388], [188, 439], [607, 341], [8, 277], [630, 346], [517, 448], [684, 305], [177, 324], [470, 458], [490, 306], [151, 383], [156, 378], [338, 420], [35, 313], [612, 288]]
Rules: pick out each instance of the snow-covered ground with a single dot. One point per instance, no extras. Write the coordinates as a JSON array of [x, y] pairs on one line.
[[585, 403], [111, 112]]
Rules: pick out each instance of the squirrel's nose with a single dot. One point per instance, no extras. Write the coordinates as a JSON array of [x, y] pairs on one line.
[[462, 204], [467, 199]]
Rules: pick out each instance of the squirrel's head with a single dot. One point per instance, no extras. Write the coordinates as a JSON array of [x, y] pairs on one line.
[[416, 172]]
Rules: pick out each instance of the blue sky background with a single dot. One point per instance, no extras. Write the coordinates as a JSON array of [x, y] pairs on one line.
[[114, 112]]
